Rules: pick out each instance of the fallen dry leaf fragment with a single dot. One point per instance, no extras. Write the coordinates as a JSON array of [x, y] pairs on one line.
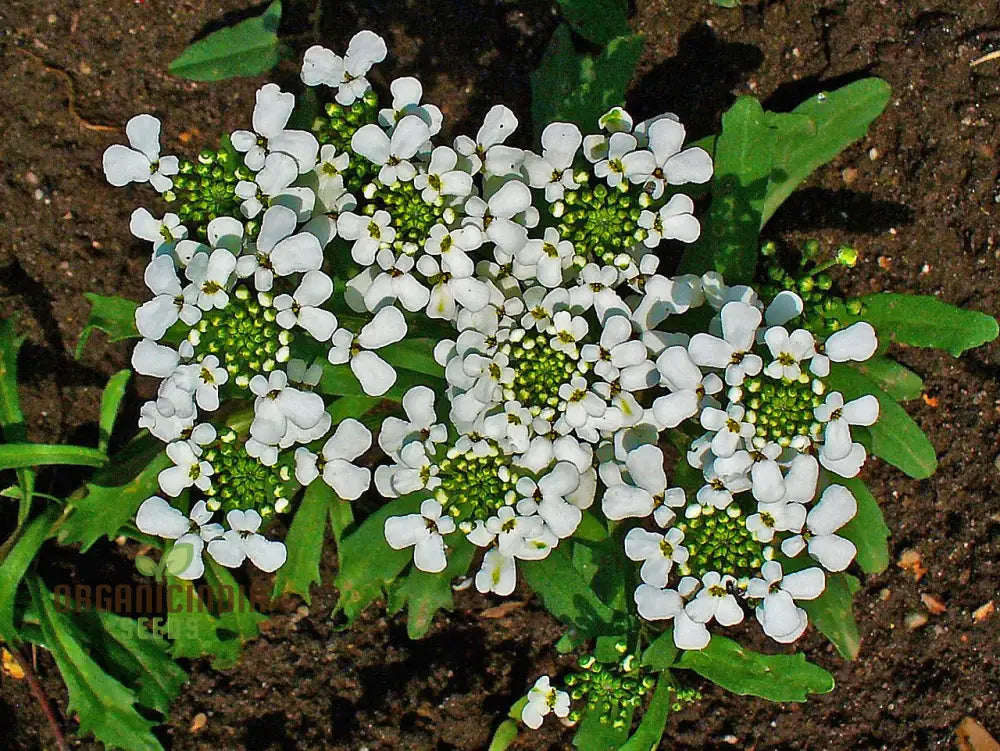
[[933, 604], [971, 736], [984, 611], [910, 561], [501, 610], [10, 666], [930, 401], [199, 722], [913, 621]]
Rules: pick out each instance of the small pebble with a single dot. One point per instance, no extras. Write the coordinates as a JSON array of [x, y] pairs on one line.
[[913, 621]]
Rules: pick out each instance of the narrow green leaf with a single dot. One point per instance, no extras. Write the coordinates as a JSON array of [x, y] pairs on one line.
[[424, 594], [413, 354], [647, 736], [833, 613], [898, 381], [895, 436], [598, 21], [578, 88], [246, 49], [115, 316], [505, 734], [925, 321], [367, 563], [839, 119], [566, 594], [11, 416], [662, 653], [594, 735], [16, 564], [111, 401], [743, 156], [867, 530], [356, 406], [341, 517], [17, 455], [304, 542], [104, 706], [748, 673]]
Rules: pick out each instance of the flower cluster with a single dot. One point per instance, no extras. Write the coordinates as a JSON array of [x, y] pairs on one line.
[[572, 358]]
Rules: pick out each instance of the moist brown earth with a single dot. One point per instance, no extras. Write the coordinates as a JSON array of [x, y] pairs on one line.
[[918, 198]]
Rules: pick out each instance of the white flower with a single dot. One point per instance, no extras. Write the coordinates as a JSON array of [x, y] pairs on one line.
[[303, 309], [857, 342], [498, 124], [273, 186], [406, 95], [279, 404], [646, 491], [673, 166], [658, 552], [153, 359], [334, 462], [212, 276], [581, 404], [423, 532], [497, 215], [674, 221], [714, 600], [189, 469], [270, 116], [567, 331], [171, 302], [509, 530], [210, 375], [688, 387], [663, 604], [542, 699], [788, 350], [838, 417], [777, 614], [729, 428], [548, 257], [393, 153], [724, 478], [553, 170], [369, 233], [375, 375], [453, 285], [346, 74], [142, 162], [223, 232], [836, 507], [166, 427], [732, 352], [163, 233], [280, 249], [421, 423], [442, 178], [242, 541], [624, 160], [394, 282], [157, 517], [559, 497], [498, 574]]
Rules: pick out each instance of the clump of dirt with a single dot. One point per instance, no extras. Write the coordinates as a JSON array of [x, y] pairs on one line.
[[918, 198]]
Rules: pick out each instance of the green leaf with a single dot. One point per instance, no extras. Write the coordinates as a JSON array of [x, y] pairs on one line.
[[567, 596], [115, 316], [748, 673], [138, 656], [413, 354], [304, 542], [662, 653], [242, 619], [594, 735], [578, 88], [839, 119], [104, 706], [833, 613], [867, 530], [105, 509], [11, 416], [895, 436], [598, 21], [338, 380], [246, 49], [16, 564], [18, 455], [647, 736], [925, 321], [367, 563], [505, 734], [743, 157], [898, 381], [355, 406], [424, 593], [111, 401]]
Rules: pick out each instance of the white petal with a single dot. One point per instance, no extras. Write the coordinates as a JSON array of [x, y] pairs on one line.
[[272, 110], [143, 133], [657, 604], [387, 327], [835, 553], [228, 549], [409, 135], [688, 634], [836, 507], [807, 584], [157, 517], [301, 252], [348, 481], [375, 375], [428, 554], [371, 142], [267, 555], [123, 165], [857, 342]]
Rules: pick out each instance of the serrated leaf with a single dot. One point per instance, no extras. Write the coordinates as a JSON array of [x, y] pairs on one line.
[[867, 530], [424, 594], [15, 564], [924, 321], [833, 613], [20, 455], [243, 619], [748, 673], [840, 118], [577, 88], [598, 21], [594, 735], [246, 49], [898, 381], [111, 401], [104, 706], [11, 416], [654, 721], [304, 542], [744, 153], [115, 316], [367, 563], [567, 595], [662, 653], [895, 436], [105, 509]]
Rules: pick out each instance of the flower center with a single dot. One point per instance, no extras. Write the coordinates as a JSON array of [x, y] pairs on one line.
[[720, 541], [601, 222], [473, 488], [242, 482], [782, 410]]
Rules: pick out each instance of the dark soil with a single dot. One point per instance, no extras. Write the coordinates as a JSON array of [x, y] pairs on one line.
[[918, 198]]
